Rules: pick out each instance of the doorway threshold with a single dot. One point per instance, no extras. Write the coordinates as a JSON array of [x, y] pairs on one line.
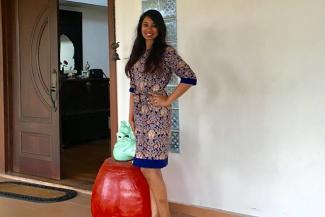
[[43, 181]]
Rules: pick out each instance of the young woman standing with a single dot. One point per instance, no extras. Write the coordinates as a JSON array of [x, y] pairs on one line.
[[150, 67]]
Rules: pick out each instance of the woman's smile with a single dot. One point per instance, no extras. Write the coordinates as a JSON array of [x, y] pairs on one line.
[[149, 29]]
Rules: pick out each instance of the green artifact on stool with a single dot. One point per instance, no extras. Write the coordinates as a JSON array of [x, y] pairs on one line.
[[124, 148]]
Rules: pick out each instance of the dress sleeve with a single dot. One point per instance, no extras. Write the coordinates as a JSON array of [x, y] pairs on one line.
[[132, 85], [180, 67]]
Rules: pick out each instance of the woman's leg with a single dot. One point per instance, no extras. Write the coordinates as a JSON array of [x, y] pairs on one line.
[[154, 208], [158, 188]]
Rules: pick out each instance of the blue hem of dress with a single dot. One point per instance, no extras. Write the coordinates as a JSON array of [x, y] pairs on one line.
[[191, 81], [147, 163]]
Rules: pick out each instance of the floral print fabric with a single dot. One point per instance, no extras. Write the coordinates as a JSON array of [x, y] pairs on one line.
[[152, 123]]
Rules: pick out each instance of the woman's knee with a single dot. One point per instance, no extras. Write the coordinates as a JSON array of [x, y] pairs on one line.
[[151, 174]]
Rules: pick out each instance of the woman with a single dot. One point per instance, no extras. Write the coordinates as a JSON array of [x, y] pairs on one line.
[[150, 67]]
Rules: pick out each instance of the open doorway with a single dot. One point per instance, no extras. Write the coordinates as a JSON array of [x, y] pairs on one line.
[[84, 91], [33, 85]]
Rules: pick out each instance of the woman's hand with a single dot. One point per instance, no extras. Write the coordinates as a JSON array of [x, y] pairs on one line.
[[159, 100], [132, 125], [131, 112]]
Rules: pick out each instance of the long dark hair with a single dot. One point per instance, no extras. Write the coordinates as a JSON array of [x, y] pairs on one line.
[[159, 45]]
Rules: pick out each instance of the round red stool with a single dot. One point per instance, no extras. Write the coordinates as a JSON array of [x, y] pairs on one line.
[[120, 190]]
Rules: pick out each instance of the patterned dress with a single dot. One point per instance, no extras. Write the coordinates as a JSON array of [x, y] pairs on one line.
[[153, 123]]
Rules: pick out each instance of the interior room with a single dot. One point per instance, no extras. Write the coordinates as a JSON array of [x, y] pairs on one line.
[[251, 132], [84, 91]]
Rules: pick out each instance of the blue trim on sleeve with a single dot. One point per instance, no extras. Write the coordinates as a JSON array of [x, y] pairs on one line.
[[191, 81], [131, 90], [147, 163]]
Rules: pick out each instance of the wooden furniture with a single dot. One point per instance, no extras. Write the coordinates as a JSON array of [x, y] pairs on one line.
[[84, 105]]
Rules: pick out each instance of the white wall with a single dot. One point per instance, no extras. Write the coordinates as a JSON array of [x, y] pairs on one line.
[[66, 53], [94, 35], [125, 34], [253, 130]]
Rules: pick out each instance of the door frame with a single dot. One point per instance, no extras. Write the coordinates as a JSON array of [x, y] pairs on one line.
[[5, 112], [2, 95], [113, 73], [5, 94]]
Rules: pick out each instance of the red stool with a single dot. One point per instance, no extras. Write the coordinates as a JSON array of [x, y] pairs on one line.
[[120, 190]]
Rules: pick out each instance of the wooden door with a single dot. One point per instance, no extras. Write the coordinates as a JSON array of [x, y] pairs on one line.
[[33, 62], [2, 94]]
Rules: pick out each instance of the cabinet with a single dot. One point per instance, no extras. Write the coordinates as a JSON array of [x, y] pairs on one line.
[[84, 109]]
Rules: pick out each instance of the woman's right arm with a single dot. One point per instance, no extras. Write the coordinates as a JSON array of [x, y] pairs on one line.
[[131, 111]]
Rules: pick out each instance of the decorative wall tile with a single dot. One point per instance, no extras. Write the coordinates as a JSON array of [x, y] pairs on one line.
[[150, 4], [173, 44], [166, 7], [175, 142], [175, 119], [171, 30], [169, 90], [168, 10], [175, 104], [174, 80]]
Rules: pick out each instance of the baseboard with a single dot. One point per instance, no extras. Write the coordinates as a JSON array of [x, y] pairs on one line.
[[201, 211]]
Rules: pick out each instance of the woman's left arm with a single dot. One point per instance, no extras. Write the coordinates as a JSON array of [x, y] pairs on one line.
[[160, 100], [181, 69]]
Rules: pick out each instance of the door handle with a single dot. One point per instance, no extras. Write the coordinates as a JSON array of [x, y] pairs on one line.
[[54, 89]]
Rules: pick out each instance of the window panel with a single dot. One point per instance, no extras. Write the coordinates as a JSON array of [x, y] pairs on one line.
[[168, 10]]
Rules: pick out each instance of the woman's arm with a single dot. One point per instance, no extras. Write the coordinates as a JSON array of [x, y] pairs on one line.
[[180, 68], [160, 100], [131, 111]]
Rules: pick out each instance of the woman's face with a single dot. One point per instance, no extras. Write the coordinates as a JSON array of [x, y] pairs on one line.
[[149, 29]]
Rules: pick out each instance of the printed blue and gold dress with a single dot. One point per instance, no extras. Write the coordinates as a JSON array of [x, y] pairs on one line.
[[153, 123]]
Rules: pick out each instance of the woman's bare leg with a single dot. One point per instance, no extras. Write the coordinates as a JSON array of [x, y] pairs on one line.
[[154, 208], [158, 188]]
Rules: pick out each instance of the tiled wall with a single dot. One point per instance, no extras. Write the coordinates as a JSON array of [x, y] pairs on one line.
[[168, 9]]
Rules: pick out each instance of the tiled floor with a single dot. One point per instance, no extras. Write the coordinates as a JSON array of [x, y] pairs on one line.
[[79, 206]]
